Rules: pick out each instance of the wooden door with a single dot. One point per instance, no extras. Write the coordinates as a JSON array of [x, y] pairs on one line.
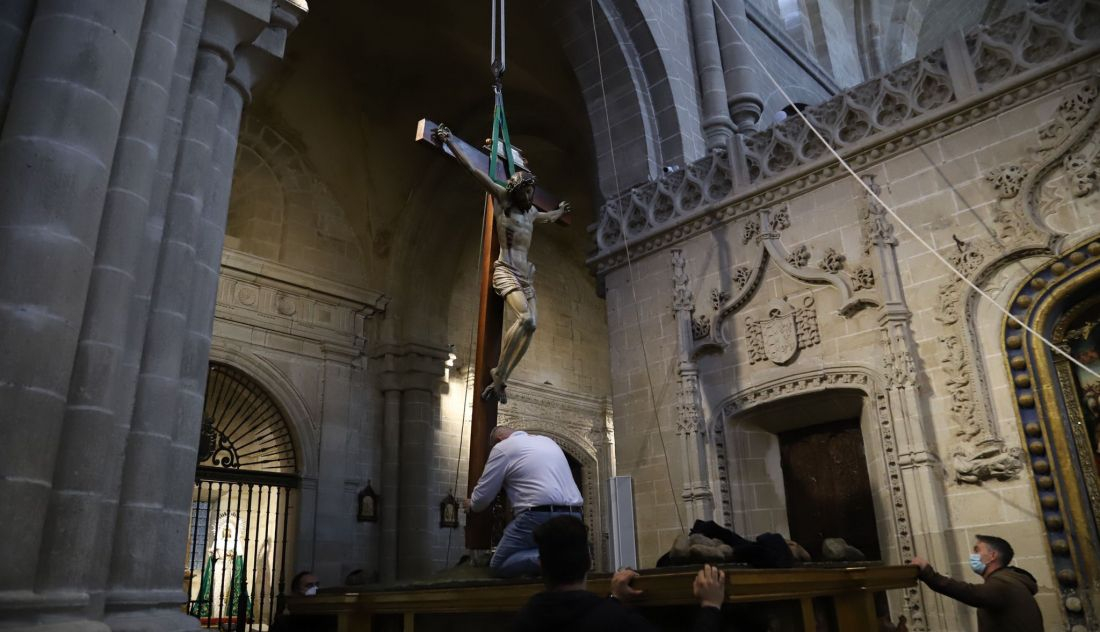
[[828, 491]]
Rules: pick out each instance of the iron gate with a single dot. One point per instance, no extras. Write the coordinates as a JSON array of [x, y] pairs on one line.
[[245, 484]]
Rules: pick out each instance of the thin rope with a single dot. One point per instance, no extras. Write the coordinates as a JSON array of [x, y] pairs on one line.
[[1053, 347], [630, 268], [466, 388]]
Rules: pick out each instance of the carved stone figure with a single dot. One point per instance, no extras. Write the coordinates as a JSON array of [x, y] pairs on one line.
[[514, 215]]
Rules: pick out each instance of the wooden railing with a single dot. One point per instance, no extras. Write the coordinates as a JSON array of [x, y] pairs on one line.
[[843, 597]]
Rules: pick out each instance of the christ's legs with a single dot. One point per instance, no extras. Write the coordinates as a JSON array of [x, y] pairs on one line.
[[516, 341], [509, 362]]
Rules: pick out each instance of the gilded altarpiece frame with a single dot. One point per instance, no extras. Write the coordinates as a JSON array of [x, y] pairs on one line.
[[1052, 422]]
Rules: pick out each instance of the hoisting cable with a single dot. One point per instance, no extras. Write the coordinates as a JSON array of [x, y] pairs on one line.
[[630, 268], [499, 136]]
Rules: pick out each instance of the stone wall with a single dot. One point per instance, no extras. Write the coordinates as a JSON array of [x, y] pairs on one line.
[[874, 314], [303, 338]]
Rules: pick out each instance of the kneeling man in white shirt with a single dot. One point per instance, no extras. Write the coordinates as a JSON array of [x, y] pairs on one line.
[[539, 485]]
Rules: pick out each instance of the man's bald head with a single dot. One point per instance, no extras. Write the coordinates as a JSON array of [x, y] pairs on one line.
[[498, 434]]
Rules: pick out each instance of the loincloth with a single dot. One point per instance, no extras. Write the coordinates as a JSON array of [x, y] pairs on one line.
[[507, 279]]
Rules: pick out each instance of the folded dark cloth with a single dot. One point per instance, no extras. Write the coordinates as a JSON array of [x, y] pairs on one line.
[[769, 550]]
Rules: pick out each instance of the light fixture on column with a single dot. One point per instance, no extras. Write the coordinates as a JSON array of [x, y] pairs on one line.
[[368, 505], [448, 512], [449, 363]]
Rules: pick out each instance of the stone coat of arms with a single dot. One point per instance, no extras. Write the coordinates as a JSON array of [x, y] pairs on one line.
[[784, 331]]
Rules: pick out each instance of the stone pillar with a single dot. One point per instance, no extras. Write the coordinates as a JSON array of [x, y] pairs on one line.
[[336, 506], [391, 428], [133, 580], [144, 271], [741, 80], [416, 500], [717, 126], [924, 519], [251, 63], [414, 373], [15, 20], [81, 510], [56, 153], [960, 65], [690, 427]]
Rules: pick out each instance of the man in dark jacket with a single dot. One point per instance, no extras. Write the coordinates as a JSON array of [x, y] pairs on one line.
[[1005, 600], [566, 603]]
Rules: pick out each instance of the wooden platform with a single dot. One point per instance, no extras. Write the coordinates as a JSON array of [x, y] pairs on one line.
[[842, 596]]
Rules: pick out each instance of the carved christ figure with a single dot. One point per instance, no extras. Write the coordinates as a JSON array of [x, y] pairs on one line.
[[514, 216]]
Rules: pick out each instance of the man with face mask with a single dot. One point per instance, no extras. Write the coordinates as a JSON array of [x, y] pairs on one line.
[[1005, 600], [305, 584]]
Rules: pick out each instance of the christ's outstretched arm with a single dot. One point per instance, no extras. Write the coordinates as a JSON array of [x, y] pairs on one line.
[[443, 135]]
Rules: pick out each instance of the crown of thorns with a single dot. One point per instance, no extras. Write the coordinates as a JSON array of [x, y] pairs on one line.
[[519, 179]]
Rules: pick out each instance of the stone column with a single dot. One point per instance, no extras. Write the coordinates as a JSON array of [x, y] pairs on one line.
[[56, 153], [15, 20], [415, 511], [144, 271], [133, 585], [412, 373], [81, 511], [925, 517], [251, 62], [690, 427], [391, 427], [741, 80], [717, 126], [336, 507]]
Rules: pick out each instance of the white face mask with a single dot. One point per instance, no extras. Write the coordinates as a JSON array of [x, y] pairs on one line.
[[312, 590]]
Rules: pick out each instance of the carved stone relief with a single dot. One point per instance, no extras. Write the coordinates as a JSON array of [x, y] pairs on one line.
[[786, 329], [863, 278], [833, 261], [1067, 147], [749, 231], [260, 293], [1064, 160], [700, 327], [799, 257], [898, 366], [717, 296], [682, 297]]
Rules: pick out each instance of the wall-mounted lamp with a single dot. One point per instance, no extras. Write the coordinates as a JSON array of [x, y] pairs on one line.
[[368, 505], [448, 512]]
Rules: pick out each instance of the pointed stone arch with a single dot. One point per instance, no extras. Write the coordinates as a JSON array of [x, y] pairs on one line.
[[1051, 422]]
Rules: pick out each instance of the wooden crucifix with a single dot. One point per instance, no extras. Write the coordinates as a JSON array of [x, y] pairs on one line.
[[511, 212]]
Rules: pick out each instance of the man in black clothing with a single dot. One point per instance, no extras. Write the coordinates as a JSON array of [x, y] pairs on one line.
[[566, 603]]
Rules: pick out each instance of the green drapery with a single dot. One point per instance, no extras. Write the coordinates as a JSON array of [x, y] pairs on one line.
[[204, 605]]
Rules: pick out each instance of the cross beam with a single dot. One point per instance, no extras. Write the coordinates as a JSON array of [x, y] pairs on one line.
[[544, 200]]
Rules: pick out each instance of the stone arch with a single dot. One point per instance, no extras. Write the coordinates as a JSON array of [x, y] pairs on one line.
[[280, 210], [645, 109], [884, 468], [573, 426], [303, 426], [1051, 423]]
